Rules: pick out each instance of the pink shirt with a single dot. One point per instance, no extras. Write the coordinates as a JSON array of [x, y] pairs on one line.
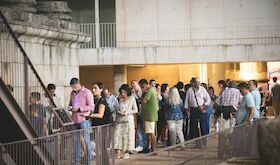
[[83, 100]]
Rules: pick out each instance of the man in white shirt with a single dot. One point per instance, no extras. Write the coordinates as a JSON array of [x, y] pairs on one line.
[[197, 98]]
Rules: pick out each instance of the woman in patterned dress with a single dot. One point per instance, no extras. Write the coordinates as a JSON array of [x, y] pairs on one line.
[[125, 129]]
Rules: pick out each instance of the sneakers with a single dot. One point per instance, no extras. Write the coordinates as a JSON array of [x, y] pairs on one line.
[[160, 142], [146, 151], [126, 156], [139, 149]]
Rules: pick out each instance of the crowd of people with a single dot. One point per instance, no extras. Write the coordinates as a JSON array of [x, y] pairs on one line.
[[147, 114]]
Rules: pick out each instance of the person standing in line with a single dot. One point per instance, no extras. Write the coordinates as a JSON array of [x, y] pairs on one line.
[[247, 107], [51, 88], [182, 93], [209, 110], [197, 99], [253, 85], [153, 83], [228, 101], [149, 113], [186, 115], [174, 116], [275, 92], [161, 114], [141, 136], [125, 131], [38, 114], [81, 104], [222, 85], [213, 99], [113, 103], [101, 112]]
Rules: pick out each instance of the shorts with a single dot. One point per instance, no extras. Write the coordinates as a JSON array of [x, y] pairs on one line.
[[149, 127]]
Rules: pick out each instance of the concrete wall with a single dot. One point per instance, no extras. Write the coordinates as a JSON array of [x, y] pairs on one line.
[[154, 22], [54, 64]]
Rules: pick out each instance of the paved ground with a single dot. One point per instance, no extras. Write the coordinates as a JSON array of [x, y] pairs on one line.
[[177, 156]]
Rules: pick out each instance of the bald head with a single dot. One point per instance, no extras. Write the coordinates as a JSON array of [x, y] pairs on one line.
[[195, 82]]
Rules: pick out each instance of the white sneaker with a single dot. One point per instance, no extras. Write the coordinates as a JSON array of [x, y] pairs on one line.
[[138, 149], [126, 156]]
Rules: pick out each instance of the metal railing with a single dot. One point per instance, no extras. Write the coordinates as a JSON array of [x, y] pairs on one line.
[[107, 34], [179, 34], [239, 142], [61, 148], [23, 80]]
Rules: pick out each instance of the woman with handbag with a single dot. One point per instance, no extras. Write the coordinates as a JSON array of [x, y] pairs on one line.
[[125, 128]]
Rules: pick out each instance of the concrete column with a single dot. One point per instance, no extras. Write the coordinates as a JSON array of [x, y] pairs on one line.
[[120, 76], [203, 73], [97, 25]]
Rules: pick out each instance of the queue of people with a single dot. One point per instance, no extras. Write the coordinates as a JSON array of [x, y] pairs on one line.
[[147, 114]]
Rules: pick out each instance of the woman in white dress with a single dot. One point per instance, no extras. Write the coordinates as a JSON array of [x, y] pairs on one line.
[[125, 129]]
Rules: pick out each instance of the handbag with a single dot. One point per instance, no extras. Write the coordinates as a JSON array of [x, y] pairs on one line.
[[227, 126], [202, 110]]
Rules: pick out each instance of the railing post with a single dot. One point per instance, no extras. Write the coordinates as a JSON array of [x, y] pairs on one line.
[[97, 146], [97, 25], [26, 85], [112, 142], [57, 149]]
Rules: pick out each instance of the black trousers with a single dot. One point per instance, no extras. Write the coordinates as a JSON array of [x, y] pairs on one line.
[[226, 110]]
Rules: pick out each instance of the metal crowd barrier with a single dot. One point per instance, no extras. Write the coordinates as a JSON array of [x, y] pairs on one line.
[[60, 148], [238, 143]]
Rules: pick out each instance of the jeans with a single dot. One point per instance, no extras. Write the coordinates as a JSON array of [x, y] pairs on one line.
[[142, 139], [77, 143], [175, 130], [208, 120], [186, 127], [195, 117]]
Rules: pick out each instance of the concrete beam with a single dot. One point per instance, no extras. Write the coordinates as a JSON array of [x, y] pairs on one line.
[[179, 55]]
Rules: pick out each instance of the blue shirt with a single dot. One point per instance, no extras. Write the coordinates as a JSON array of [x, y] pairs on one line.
[[242, 115], [257, 99], [175, 112], [38, 121]]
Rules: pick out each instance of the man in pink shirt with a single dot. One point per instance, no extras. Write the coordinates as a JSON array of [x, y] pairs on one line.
[[81, 102]]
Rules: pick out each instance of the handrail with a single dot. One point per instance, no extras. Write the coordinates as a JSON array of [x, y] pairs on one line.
[[198, 138], [26, 58]]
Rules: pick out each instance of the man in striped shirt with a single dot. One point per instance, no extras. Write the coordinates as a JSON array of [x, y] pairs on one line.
[[229, 100]]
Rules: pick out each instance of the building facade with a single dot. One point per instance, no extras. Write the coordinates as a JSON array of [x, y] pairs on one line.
[[183, 38]]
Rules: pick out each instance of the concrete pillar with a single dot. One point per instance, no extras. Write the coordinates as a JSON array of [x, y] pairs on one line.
[[203, 73], [120, 76], [97, 25]]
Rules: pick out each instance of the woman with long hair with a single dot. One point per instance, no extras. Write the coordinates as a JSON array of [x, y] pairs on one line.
[[101, 113], [174, 116]]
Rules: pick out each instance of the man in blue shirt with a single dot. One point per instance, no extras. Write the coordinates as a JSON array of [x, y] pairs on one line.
[[257, 98], [247, 107]]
